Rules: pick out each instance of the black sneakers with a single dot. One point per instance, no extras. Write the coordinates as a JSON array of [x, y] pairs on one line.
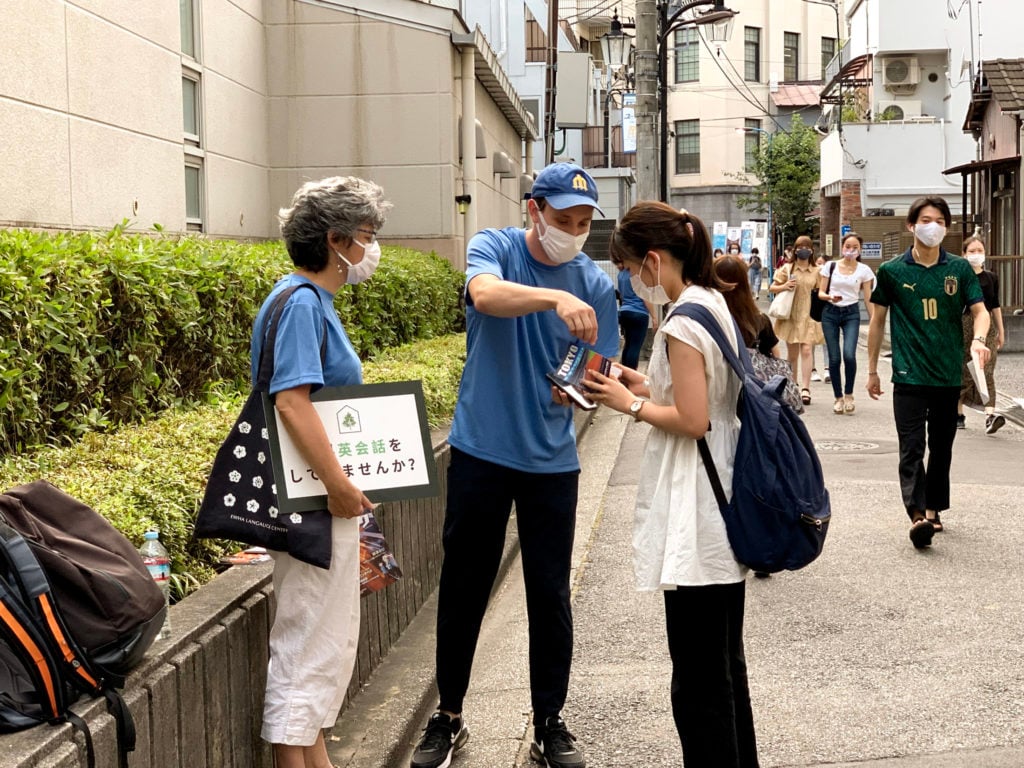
[[993, 423], [961, 421], [554, 746], [442, 736]]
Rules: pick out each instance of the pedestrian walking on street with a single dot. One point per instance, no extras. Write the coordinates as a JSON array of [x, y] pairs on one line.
[[754, 272], [799, 331], [974, 252], [330, 232], [842, 284], [680, 545], [529, 294], [635, 316], [928, 291]]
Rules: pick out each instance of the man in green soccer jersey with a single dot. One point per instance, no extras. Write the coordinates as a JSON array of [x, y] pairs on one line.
[[928, 290]]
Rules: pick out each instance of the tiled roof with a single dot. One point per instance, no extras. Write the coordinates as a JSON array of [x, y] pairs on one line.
[[1006, 79], [797, 94]]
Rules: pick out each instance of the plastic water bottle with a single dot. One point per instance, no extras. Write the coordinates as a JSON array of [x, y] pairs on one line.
[[155, 556]]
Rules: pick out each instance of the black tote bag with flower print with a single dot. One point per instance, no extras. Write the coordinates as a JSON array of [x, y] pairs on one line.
[[240, 502]]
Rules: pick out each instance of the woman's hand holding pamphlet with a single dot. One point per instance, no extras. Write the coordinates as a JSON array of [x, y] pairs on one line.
[[570, 375]]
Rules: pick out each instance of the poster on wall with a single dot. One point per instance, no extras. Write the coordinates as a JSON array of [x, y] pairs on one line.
[[746, 238], [629, 123], [732, 237], [718, 232]]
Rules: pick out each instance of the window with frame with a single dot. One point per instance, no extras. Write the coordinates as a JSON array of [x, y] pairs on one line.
[[187, 10], [751, 142], [536, 40], [688, 146], [687, 52], [190, 108], [194, 194], [752, 54], [790, 57], [828, 52]]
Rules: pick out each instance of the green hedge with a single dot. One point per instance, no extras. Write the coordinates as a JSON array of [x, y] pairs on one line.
[[101, 330], [153, 474]]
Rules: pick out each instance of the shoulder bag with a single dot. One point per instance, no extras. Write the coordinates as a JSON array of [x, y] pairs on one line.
[[240, 502], [781, 305], [818, 304]]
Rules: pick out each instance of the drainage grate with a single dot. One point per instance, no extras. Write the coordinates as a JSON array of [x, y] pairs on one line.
[[844, 445]]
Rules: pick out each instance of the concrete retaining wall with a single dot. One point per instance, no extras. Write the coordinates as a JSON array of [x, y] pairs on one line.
[[197, 698]]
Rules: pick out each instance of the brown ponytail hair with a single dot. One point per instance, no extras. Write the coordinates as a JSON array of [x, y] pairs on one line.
[[654, 226]]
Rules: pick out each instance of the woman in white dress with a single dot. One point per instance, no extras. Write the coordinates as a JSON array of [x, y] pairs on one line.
[[679, 539]]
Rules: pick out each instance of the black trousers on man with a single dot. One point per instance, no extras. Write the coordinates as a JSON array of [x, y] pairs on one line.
[[925, 417], [710, 696], [480, 499]]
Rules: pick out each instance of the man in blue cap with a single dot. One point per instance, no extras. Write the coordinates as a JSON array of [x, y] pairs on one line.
[[529, 293]]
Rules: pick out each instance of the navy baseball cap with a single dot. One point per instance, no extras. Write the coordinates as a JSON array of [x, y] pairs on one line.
[[564, 185]]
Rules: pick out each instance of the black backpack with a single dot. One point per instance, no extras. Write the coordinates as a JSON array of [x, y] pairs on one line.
[[78, 610], [779, 512]]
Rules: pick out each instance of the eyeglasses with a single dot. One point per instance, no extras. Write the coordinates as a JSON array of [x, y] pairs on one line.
[[371, 232]]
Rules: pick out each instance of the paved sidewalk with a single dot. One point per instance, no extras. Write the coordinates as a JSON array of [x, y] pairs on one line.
[[875, 655]]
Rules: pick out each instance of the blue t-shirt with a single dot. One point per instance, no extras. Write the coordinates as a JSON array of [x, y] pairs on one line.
[[630, 301], [505, 413], [299, 335]]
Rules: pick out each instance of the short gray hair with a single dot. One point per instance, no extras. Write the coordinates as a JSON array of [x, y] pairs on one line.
[[339, 205]]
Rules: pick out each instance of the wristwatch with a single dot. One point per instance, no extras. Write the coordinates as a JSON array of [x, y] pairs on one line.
[[634, 408], [979, 338]]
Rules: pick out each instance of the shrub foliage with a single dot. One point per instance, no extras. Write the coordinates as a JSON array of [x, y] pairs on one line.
[[101, 330]]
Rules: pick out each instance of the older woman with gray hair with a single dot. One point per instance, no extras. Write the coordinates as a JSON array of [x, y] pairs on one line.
[[330, 231]]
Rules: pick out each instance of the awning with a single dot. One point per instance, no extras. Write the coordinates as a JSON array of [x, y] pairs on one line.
[[797, 95], [980, 165]]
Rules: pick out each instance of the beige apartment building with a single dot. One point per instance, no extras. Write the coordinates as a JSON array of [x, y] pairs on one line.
[[771, 67], [207, 116]]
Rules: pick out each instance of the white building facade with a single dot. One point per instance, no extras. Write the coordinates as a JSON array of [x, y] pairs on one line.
[[904, 79]]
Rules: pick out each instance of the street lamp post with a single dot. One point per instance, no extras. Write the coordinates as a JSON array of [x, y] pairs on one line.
[[615, 47], [768, 184], [653, 26]]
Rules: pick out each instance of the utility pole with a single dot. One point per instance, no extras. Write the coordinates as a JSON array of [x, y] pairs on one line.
[[646, 99]]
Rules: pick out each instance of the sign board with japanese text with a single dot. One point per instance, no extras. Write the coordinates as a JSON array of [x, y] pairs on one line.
[[629, 123], [379, 434], [871, 251]]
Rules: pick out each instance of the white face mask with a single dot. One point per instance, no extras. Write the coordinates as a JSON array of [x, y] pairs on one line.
[[930, 234], [654, 294], [559, 245], [357, 273], [976, 259], [851, 254]]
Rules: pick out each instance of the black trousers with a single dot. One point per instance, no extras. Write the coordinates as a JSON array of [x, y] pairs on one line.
[[634, 332], [710, 697], [480, 498], [925, 416]]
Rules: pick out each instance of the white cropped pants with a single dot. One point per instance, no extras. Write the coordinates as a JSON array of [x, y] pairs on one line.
[[313, 640]]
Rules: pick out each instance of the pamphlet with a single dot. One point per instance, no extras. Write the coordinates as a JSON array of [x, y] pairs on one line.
[[377, 564], [571, 374], [978, 374]]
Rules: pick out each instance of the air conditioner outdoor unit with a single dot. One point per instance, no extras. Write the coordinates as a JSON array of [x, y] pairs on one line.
[[901, 74], [898, 110]]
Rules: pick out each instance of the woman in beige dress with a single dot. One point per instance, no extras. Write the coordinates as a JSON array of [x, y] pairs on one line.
[[798, 330]]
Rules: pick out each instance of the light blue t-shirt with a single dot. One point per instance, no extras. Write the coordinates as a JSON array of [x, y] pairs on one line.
[[630, 301], [299, 336], [505, 413]]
